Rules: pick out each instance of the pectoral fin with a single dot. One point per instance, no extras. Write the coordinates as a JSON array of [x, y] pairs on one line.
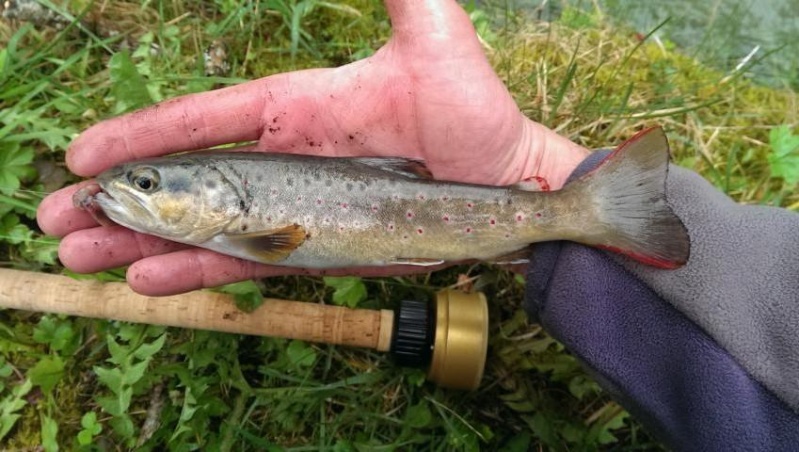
[[270, 246]]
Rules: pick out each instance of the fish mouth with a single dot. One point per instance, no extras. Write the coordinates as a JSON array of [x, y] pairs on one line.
[[94, 201], [106, 209]]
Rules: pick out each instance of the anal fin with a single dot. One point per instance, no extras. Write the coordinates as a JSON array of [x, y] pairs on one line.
[[521, 256], [419, 261]]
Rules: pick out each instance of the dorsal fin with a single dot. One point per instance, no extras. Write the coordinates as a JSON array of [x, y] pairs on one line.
[[412, 168]]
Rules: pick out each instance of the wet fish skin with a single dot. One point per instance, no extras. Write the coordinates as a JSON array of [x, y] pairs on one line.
[[318, 212]]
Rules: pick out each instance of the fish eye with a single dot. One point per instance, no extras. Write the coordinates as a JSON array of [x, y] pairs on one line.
[[145, 179]]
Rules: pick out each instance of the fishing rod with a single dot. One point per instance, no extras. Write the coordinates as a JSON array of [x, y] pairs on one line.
[[448, 337]]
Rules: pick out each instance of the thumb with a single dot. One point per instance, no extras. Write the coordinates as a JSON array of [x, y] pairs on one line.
[[430, 21]]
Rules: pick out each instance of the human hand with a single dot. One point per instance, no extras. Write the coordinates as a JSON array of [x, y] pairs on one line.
[[429, 93]]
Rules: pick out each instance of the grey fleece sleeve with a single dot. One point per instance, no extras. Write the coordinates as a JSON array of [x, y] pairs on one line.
[[705, 356], [741, 283]]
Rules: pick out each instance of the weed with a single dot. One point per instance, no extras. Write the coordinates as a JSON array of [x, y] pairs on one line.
[[87, 384]]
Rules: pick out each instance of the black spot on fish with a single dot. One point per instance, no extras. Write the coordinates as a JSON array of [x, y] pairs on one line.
[[244, 227], [259, 178], [317, 177], [210, 184], [328, 183], [349, 186], [289, 182], [242, 205]]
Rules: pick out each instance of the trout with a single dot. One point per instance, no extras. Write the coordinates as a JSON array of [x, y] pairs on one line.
[[323, 212]]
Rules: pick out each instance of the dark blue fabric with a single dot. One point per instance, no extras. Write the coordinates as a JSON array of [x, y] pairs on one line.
[[661, 366]]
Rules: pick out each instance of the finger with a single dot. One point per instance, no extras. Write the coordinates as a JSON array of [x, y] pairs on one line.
[[58, 216], [96, 249], [195, 268], [195, 121]]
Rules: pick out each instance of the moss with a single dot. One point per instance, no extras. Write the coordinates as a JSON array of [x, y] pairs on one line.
[[591, 82]]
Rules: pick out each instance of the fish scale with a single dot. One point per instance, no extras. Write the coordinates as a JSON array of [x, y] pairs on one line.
[[327, 207], [319, 212]]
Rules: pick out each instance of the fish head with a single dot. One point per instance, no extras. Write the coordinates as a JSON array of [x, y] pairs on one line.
[[171, 199]]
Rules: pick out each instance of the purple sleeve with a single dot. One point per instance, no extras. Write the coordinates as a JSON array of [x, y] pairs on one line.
[[676, 378]]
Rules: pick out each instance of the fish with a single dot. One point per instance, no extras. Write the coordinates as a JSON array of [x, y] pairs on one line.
[[339, 212]]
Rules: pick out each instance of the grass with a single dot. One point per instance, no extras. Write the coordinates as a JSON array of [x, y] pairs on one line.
[[85, 384]]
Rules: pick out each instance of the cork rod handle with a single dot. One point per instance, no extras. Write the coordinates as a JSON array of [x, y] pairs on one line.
[[311, 322]]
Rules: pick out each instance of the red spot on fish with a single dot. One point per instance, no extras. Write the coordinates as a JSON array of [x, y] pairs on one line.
[[318, 202], [299, 198], [445, 198], [492, 222], [445, 218], [343, 205], [421, 197], [469, 205], [468, 230], [409, 214], [391, 226], [420, 231], [538, 215], [519, 217], [375, 208]]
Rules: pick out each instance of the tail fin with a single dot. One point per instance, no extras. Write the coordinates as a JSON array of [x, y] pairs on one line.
[[628, 192]]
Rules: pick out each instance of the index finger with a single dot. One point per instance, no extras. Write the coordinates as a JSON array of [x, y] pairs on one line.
[[185, 123]]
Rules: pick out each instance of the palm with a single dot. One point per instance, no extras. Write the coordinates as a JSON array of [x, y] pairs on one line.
[[418, 101], [429, 93]]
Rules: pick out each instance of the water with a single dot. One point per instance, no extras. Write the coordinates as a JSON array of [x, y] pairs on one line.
[[720, 33]]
